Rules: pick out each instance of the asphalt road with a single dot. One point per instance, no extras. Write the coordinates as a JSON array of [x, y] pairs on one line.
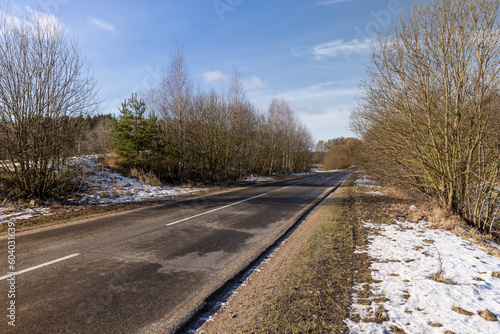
[[146, 270]]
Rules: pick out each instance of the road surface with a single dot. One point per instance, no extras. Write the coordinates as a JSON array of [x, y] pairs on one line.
[[145, 271]]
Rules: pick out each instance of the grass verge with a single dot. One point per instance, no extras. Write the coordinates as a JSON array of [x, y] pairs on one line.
[[313, 294]]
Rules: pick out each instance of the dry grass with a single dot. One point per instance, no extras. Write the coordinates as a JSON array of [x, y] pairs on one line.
[[313, 295], [430, 211], [436, 324], [396, 329], [146, 177], [462, 311], [440, 278], [488, 315]]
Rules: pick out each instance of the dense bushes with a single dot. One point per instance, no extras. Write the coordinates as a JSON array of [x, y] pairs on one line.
[[342, 153]]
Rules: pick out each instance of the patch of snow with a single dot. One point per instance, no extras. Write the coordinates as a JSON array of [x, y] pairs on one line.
[[374, 192], [8, 215], [271, 178], [366, 181], [259, 178], [405, 255], [104, 187], [101, 187]]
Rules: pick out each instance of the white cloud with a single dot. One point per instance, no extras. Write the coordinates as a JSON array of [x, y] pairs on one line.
[[102, 24], [215, 76], [45, 20], [254, 83], [329, 2], [314, 93], [338, 48], [308, 99], [251, 84], [32, 20]]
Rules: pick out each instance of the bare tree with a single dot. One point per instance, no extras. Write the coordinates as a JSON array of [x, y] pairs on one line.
[[428, 102], [241, 118], [223, 137], [178, 88], [44, 81]]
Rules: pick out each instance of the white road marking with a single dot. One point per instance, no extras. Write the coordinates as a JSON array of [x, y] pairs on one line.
[[295, 184], [39, 266], [222, 207], [227, 206]]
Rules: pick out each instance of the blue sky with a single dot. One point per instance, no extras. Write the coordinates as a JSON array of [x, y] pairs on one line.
[[311, 52]]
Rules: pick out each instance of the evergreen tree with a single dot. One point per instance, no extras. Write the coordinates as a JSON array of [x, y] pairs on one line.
[[134, 136]]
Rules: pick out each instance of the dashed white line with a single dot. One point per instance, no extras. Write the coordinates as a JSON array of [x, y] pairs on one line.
[[39, 266], [227, 206], [217, 209]]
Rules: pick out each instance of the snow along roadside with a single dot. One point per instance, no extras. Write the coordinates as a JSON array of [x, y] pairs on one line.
[[428, 281]]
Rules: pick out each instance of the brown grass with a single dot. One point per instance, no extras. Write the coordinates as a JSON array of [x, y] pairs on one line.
[[439, 277], [396, 329], [462, 311], [146, 177], [313, 295], [436, 324], [488, 315]]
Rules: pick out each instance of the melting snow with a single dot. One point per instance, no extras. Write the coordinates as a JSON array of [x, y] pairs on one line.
[[9, 214], [104, 187], [101, 187], [405, 254], [366, 181], [259, 178]]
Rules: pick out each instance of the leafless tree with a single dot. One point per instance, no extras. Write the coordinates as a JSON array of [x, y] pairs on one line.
[[222, 136], [44, 81], [179, 87], [429, 103]]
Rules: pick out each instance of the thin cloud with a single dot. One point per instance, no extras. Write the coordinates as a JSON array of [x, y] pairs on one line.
[[339, 48], [215, 76], [254, 83], [329, 2], [102, 24], [31, 20], [311, 100], [45, 20]]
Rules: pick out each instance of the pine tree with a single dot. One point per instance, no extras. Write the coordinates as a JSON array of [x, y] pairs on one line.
[[134, 136]]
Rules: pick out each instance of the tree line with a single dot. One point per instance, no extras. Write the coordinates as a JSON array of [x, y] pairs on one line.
[[337, 153], [429, 114], [183, 135], [48, 115]]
